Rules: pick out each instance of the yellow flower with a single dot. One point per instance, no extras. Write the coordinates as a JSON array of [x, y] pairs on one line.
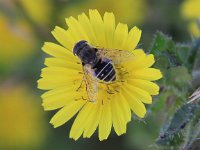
[[194, 29], [22, 120], [16, 40], [63, 76], [38, 10], [190, 11]]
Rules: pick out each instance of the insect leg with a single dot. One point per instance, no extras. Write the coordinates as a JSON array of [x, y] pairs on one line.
[[109, 91], [80, 84]]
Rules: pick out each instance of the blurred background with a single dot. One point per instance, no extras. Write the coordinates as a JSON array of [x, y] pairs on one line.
[[26, 24]]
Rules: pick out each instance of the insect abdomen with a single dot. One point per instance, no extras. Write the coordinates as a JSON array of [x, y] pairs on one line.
[[105, 71]]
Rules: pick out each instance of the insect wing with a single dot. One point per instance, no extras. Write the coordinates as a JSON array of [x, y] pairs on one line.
[[91, 84], [117, 56]]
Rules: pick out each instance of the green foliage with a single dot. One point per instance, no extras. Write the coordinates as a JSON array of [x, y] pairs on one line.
[[196, 64], [180, 65], [173, 133], [168, 53]]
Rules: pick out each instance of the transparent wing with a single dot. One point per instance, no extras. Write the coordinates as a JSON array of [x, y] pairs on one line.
[[91, 83], [117, 56]]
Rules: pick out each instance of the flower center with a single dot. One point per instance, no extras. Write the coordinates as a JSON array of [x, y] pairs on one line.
[[109, 89]]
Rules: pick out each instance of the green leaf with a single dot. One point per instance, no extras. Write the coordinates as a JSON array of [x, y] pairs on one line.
[[195, 63], [173, 54], [160, 43], [179, 77], [172, 133], [183, 52], [172, 60], [159, 103], [170, 140], [163, 48], [194, 56], [193, 130]]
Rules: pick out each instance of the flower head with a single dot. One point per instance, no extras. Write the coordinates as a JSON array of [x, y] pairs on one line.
[[63, 75], [22, 120], [20, 35], [190, 11], [41, 17], [194, 28]]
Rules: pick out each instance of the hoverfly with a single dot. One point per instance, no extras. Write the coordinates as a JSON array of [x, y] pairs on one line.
[[98, 64]]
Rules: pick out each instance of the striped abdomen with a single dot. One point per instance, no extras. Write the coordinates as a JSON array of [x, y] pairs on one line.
[[105, 71]]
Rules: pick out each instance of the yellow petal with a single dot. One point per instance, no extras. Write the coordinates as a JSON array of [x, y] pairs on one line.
[[64, 38], [136, 105], [66, 113], [57, 91], [58, 51], [85, 23], [58, 98], [139, 53], [57, 103], [119, 122], [120, 36], [139, 93], [76, 29], [48, 84], [150, 87], [141, 62], [133, 38], [105, 123], [125, 108], [139, 57], [54, 77], [93, 120], [67, 73], [150, 74], [57, 62], [80, 121], [148, 61], [98, 26], [109, 27]]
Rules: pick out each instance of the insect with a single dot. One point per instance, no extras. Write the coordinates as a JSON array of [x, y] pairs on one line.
[[98, 65]]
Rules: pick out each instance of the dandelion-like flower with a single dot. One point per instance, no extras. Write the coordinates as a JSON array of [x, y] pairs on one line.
[[191, 12], [63, 75], [20, 34], [190, 9], [22, 120]]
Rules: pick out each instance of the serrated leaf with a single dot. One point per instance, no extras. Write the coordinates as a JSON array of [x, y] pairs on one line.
[[163, 48], [173, 140], [181, 117], [174, 54], [193, 131], [160, 43], [183, 51], [179, 77]]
